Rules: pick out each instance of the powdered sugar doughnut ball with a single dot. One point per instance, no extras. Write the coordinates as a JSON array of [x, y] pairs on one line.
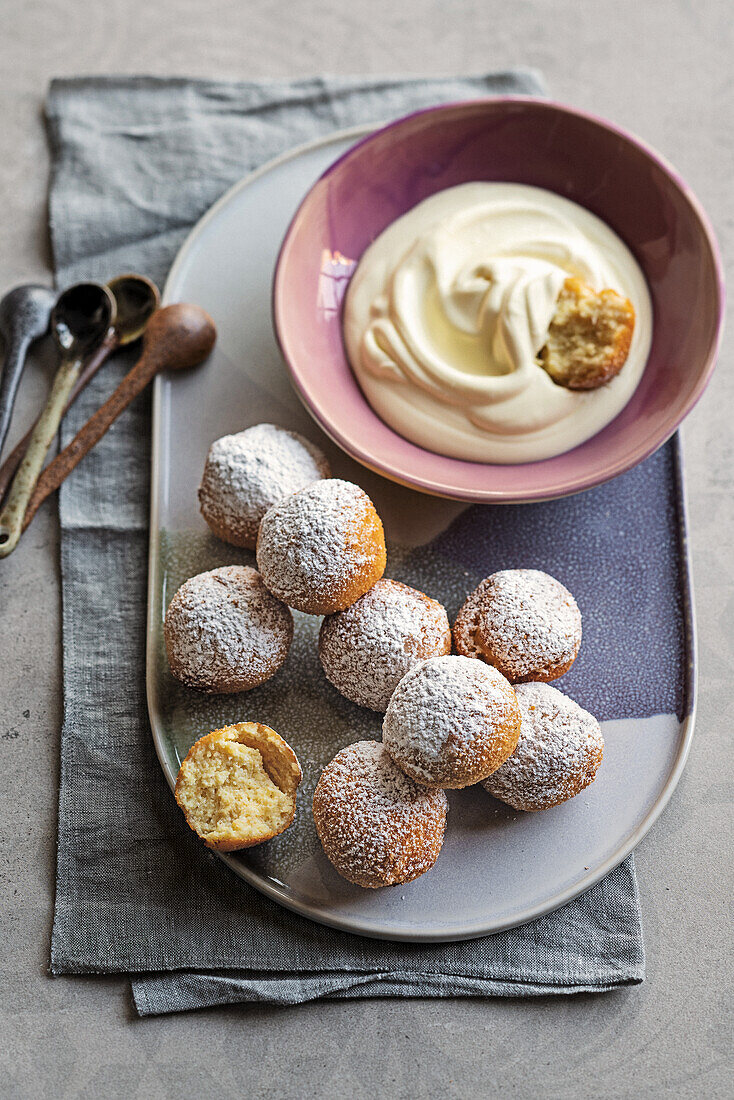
[[376, 825], [522, 621], [246, 473], [322, 548], [366, 650], [225, 632], [558, 753], [451, 722]]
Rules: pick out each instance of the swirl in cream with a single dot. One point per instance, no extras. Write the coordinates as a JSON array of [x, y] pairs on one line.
[[449, 307]]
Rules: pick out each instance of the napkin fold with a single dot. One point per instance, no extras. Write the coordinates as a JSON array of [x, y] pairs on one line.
[[135, 162]]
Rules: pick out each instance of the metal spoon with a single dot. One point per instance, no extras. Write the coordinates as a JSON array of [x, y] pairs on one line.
[[25, 313], [80, 321], [178, 337], [137, 300]]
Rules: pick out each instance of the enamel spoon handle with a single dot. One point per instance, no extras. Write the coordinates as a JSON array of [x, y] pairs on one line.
[[97, 359], [14, 363], [24, 482]]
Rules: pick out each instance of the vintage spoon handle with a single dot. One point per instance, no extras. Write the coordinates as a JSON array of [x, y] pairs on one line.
[[89, 435], [179, 336], [97, 359], [24, 482], [12, 370]]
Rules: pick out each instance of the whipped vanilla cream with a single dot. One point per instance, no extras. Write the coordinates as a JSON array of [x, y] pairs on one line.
[[448, 308]]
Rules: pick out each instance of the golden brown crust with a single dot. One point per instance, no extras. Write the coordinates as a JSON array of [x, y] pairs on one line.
[[366, 649], [366, 539], [322, 548], [279, 761], [575, 786], [458, 769], [589, 337], [376, 826], [451, 722], [523, 622], [246, 473], [469, 642], [559, 752], [225, 632], [245, 537]]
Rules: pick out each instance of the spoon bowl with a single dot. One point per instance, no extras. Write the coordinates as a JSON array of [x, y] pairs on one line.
[[81, 318], [26, 310], [137, 299], [177, 338], [25, 313]]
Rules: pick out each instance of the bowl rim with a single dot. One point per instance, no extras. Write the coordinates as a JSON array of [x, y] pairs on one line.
[[563, 486]]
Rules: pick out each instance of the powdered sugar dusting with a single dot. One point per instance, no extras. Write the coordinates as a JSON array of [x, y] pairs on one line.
[[376, 825], [448, 711], [225, 632], [559, 751], [523, 621], [246, 473], [315, 544], [367, 649]]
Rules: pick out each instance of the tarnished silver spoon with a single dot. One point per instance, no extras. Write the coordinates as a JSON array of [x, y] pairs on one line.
[[137, 298], [81, 319]]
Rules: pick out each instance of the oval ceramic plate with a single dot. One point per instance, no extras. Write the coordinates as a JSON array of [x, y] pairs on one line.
[[498, 868]]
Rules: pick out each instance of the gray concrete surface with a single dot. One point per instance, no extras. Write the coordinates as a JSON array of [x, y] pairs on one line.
[[662, 68]]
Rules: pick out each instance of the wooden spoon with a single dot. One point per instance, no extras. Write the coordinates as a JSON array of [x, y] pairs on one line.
[[80, 321], [137, 298], [177, 337]]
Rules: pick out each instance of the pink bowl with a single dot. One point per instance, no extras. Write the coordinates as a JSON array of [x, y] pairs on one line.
[[524, 140]]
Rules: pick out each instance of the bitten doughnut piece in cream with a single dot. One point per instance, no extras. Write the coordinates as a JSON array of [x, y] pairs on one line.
[[225, 632], [250, 471], [237, 786], [558, 754], [367, 649], [523, 622], [376, 825], [322, 548], [451, 722], [589, 337]]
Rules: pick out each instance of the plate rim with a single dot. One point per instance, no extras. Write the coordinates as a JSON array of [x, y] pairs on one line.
[[370, 927]]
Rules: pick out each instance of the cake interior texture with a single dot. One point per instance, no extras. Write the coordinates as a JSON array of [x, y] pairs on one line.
[[589, 337], [228, 795]]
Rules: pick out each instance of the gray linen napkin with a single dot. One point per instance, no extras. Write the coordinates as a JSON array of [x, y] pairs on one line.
[[135, 162]]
